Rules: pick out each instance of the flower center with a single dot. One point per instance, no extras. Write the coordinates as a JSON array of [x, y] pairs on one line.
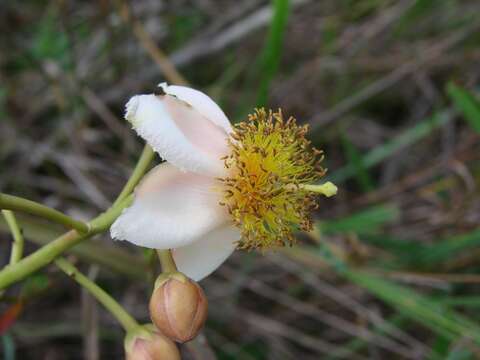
[[270, 167]]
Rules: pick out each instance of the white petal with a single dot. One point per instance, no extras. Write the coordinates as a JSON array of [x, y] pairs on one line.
[[171, 208], [179, 133], [200, 258], [201, 102]]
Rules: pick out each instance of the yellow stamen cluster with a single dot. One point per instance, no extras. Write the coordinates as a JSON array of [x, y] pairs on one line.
[[269, 165]]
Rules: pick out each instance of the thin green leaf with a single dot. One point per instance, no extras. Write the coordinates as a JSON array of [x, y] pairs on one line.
[[465, 102], [366, 221], [50, 42], [460, 353], [272, 52], [418, 10], [440, 319], [420, 308], [465, 301], [8, 347], [358, 344], [355, 159], [448, 248], [405, 139], [440, 346]]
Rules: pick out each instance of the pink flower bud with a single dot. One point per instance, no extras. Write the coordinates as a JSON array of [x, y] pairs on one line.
[[146, 343], [178, 307]]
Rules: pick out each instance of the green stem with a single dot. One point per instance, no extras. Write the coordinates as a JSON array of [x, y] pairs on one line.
[[166, 260], [46, 254], [123, 317], [114, 258], [18, 242], [10, 202], [137, 174]]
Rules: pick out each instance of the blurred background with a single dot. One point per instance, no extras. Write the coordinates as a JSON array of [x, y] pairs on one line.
[[390, 90]]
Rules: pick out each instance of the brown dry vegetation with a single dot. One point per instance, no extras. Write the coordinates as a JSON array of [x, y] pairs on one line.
[[388, 87]]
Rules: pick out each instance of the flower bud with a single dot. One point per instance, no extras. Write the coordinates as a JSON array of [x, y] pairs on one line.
[[178, 306], [146, 343]]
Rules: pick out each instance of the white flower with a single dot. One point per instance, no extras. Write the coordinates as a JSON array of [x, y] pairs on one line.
[[176, 205], [221, 187]]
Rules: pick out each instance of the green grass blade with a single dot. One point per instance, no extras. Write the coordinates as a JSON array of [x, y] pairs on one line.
[[358, 344], [448, 248], [418, 10], [450, 350], [50, 42], [396, 246], [272, 52], [8, 347], [438, 318], [413, 254], [420, 308], [459, 353], [465, 102], [404, 252], [363, 222], [407, 138], [464, 301], [355, 159]]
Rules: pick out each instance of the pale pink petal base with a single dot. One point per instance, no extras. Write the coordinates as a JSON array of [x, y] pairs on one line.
[[200, 258], [171, 209]]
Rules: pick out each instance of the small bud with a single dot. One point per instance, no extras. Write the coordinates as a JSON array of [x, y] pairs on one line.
[[178, 306], [146, 343]]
